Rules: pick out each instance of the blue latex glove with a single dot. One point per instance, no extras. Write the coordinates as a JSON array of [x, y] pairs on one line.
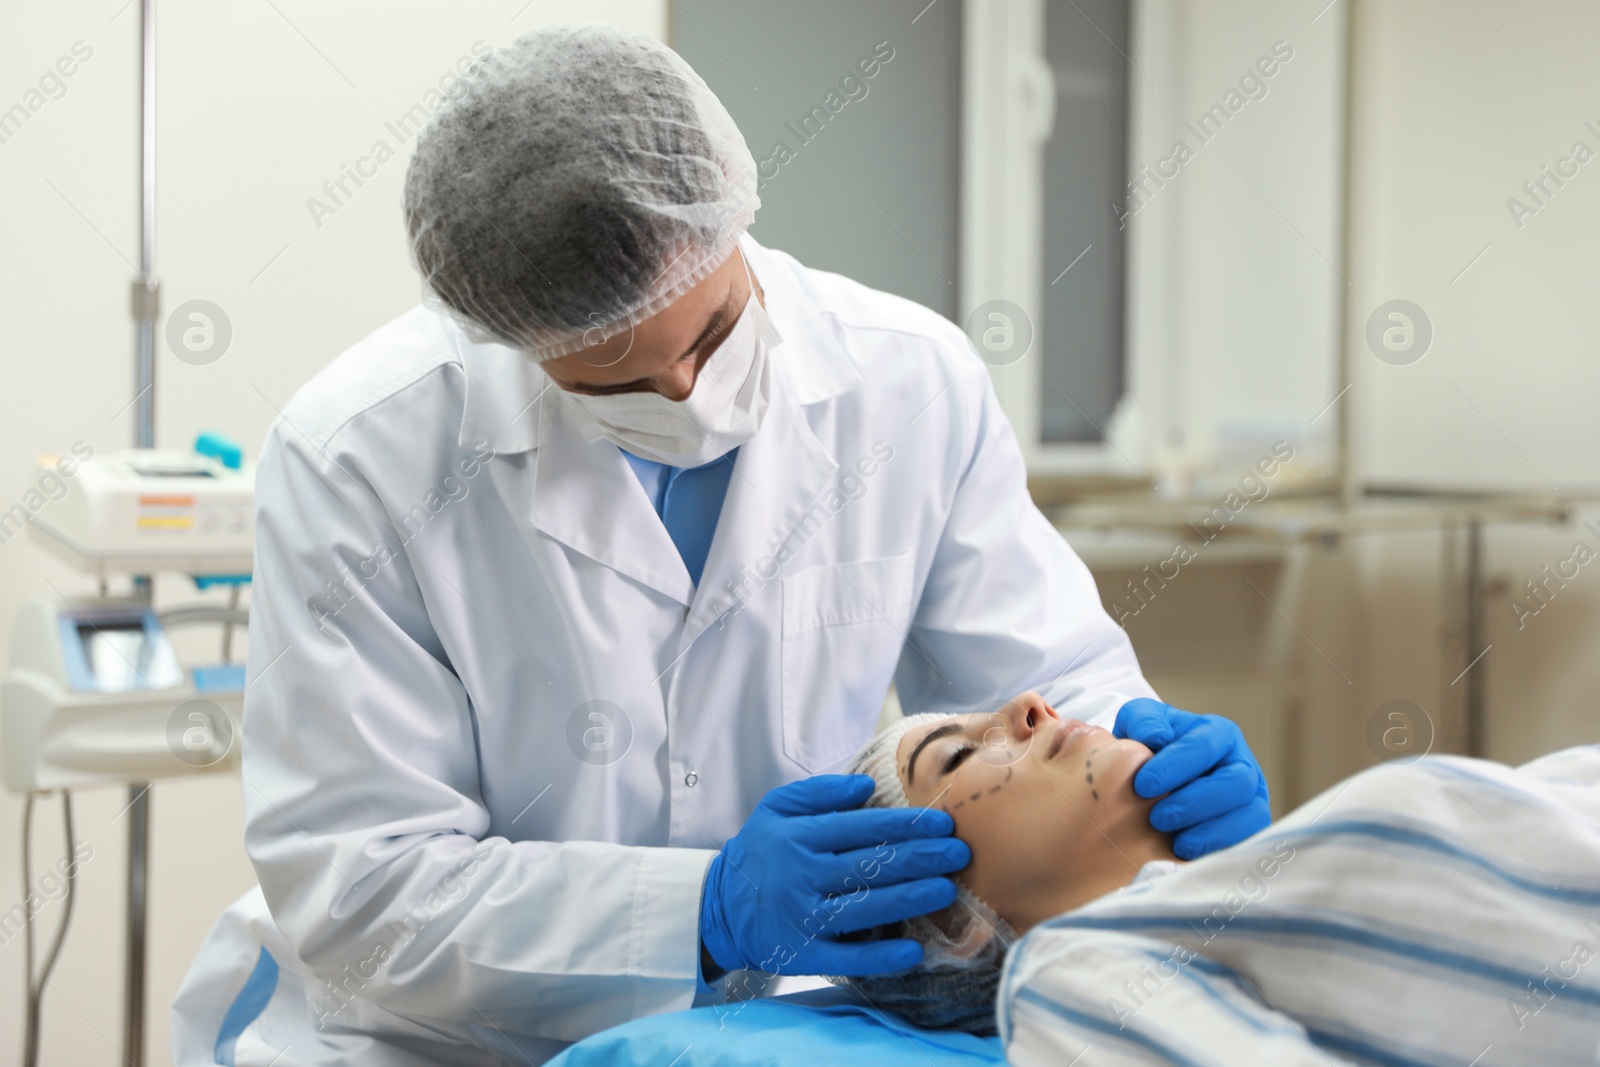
[[1217, 795], [804, 870]]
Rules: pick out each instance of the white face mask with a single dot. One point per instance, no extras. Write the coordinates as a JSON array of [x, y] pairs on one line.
[[725, 409]]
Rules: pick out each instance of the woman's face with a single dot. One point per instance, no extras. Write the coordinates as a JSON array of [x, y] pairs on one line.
[[1046, 804]]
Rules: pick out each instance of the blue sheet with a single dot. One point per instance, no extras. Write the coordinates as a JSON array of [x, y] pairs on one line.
[[818, 1026]]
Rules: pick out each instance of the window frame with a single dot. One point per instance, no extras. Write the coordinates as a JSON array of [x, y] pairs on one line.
[[1008, 97]]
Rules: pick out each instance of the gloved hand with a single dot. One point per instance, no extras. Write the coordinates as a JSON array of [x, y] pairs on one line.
[[802, 871], [1217, 795]]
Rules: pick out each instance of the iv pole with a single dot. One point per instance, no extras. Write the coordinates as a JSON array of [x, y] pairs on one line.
[[145, 307]]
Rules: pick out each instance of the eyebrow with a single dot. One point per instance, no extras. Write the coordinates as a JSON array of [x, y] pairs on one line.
[[927, 739], [712, 326]]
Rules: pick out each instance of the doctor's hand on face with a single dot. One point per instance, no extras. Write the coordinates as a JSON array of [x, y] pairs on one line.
[[1216, 793], [806, 868]]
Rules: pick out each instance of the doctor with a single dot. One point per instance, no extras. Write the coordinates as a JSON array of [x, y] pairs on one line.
[[572, 586]]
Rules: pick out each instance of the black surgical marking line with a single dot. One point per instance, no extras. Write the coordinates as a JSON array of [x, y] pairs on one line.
[[1095, 793], [980, 794]]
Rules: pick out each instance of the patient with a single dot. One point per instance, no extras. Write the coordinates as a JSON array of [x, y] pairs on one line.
[[1047, 806], [1446, 910]]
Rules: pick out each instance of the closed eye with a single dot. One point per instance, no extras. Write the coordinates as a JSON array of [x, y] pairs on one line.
[[957, 758]]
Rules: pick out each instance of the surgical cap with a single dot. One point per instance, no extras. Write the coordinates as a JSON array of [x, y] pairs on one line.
[[963, 947], [579, 182]]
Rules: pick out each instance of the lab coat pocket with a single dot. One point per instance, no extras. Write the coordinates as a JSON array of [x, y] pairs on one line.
[[843, 628]]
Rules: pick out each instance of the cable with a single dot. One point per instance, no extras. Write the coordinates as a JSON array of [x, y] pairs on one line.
[[227, 628], [30, 1024], [35, 989], [230, 617], [198, 613]]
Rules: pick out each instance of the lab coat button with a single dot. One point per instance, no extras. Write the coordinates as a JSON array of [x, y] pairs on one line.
[[691, 778]]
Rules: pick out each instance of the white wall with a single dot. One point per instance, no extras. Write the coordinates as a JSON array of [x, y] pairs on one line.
[[1456, 110], [1458, 105], [260, 103]]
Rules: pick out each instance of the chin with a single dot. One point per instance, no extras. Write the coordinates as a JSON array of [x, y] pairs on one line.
[[1129, 755]]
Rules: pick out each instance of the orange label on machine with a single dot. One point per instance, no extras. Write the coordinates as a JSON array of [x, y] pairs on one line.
[[166, 512]]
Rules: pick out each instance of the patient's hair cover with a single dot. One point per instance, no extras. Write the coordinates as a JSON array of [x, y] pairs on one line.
[[964, 946]]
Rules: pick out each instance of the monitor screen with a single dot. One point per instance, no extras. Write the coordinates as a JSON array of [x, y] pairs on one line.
[[124, 655]]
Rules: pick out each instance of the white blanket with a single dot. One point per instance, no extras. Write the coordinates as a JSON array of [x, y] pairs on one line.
[[1445, 912]]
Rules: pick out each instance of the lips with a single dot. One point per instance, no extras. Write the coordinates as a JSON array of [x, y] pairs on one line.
[[1065, 733]]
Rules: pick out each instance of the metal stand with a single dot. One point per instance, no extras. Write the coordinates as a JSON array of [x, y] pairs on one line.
[[145, 305], [1473, 668], [1464, 612], [138, 913]]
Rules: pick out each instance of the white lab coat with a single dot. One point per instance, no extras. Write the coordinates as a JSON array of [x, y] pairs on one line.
[[485, 693]]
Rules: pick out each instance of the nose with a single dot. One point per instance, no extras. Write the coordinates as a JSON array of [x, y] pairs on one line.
[[1025, 715], [677, 383]]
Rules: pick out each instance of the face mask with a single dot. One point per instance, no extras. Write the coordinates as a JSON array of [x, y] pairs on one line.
[[730, 398]]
